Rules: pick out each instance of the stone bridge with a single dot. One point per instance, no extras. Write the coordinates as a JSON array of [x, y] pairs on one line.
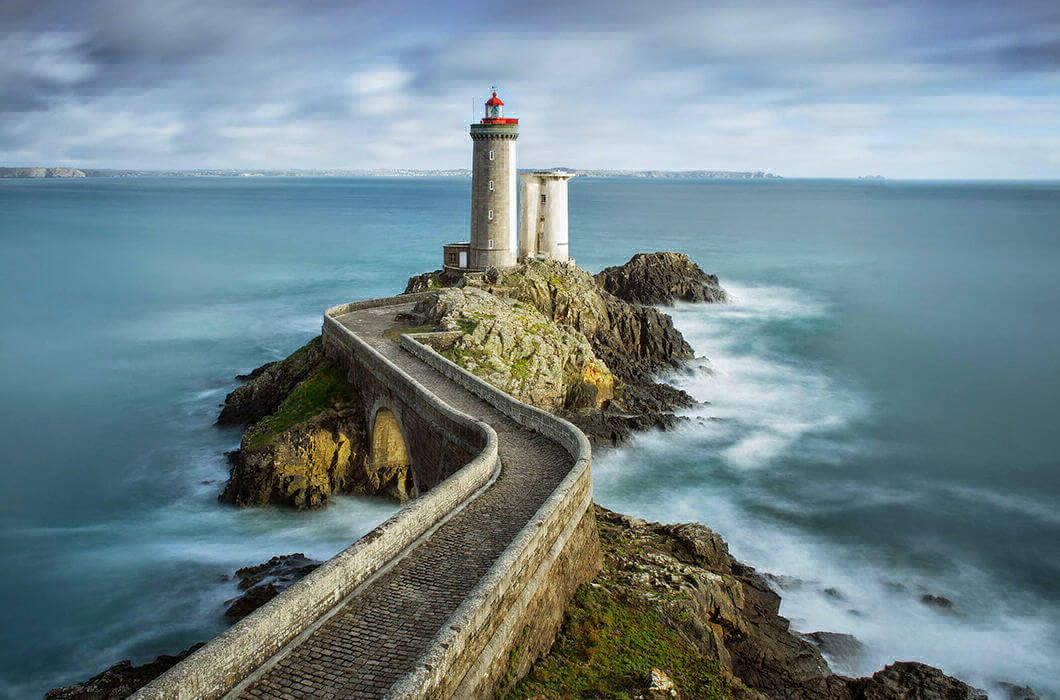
[[465, 585]]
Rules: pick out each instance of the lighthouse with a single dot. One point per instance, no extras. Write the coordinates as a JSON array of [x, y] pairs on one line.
[[493, 189], [501, 235]]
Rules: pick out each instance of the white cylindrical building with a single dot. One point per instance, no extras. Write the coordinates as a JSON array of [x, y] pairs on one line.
[[543, 228]]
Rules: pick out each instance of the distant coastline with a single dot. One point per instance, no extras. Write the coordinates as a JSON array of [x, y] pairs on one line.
[[41, 172], [379, 172]]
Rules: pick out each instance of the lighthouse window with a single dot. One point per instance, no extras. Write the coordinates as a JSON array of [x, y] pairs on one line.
[[491, 185], [491, 215], [491, 155], [491, 244], [543, 198]]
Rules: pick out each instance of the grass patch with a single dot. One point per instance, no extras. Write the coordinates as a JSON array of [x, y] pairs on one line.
[[326, 387], [608, 646]]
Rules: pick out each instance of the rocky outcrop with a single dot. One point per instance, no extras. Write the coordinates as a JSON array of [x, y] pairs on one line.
[[660, 278], [120, 680], [269, 385], [313, 444], [41, 172], [726, 612], [515, 347], [633, 341], [909, 679], [263, 582]]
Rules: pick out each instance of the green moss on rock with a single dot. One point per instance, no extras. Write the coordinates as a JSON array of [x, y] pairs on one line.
[[326, 387]]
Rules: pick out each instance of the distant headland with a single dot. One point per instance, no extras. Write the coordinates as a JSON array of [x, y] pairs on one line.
[[41, 172]]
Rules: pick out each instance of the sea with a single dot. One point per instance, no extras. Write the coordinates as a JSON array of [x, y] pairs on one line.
[[878, 419]]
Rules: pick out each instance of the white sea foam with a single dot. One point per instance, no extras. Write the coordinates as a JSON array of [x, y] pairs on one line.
[[772, 410]]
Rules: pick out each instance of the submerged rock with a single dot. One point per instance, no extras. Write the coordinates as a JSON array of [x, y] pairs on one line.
[[263, 582], [936, 601], [660, 278]]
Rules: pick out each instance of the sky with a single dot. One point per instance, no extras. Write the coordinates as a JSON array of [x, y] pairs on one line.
[[947, 89]]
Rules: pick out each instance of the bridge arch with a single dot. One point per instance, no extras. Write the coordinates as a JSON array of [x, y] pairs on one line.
[[390, 453]]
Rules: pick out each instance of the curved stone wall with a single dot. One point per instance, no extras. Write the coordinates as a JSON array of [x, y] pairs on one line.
[[519, 604], [225, 661]]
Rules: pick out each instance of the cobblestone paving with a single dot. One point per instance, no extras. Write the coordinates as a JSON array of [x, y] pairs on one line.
[[377, 635]]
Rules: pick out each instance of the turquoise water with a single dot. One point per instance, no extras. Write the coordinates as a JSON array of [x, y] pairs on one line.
[[882, 390]]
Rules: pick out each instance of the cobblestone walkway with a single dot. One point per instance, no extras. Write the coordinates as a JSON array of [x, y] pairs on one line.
[[378, 634]]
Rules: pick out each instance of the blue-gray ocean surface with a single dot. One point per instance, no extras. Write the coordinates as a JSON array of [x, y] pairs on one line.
[[884, 385]]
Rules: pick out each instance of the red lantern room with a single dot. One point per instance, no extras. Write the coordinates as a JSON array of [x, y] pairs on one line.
[[495, 112]]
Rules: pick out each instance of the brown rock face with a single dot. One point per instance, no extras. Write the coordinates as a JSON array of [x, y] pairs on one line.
[[303, 466], [660, 278]]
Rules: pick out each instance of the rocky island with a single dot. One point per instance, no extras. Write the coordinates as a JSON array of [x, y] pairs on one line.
[[671, 613]]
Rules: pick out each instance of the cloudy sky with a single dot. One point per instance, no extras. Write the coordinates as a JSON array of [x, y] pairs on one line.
[[958, 89]]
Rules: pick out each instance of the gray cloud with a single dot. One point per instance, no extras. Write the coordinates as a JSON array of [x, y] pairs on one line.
[[822, 89]]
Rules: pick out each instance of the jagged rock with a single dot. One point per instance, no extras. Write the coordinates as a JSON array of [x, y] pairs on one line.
[[263, 582], [660, 278], [842, 649], [514, 347], [120, 680], [909, 680], [270, 384]]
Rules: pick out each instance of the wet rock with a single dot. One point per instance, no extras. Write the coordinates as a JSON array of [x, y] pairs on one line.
[[936, 601], [843, 649], [263, 582], [660, 278], [120, 680], [1018, 692], [269, 385], [909, 679]]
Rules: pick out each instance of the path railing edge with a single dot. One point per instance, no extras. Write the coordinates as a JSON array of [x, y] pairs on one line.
[[227, 659]]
